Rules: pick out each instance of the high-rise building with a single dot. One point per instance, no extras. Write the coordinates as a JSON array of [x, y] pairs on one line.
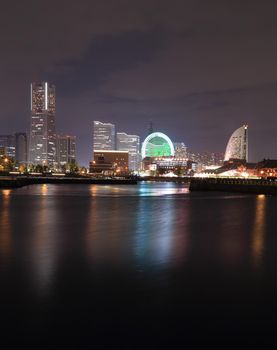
[[237, 147], [180, 150], [7, 145], [21, 148], [103, 136], [131, 144], [42, 145], [66, 149]]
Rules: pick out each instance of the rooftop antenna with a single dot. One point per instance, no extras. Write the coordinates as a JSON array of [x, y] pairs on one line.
[[150, 130]]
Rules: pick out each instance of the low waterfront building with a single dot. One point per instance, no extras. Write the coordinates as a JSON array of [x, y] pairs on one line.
[[109, 162], [160, 166], [232, 168], [266, 168]]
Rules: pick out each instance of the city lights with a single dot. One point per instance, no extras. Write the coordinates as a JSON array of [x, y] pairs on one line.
[[115, 153], [157, 144]]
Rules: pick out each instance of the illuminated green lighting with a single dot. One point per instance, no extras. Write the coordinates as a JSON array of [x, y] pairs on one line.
[[157, 144], [157, 147]]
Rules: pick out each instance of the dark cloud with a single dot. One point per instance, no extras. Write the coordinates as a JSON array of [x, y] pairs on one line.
[[197, 68], [108, 54]]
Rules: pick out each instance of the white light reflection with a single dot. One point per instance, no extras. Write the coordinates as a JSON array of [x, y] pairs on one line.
[[154, 232], [44, 242], [156, 189]]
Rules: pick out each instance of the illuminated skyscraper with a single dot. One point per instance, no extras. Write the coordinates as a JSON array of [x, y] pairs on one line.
[[7, 145], [131, 144], [42, 146], [103, 136], [237, 147], [66, 149]]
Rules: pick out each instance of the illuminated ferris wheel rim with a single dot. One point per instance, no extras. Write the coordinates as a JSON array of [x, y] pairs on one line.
[[153, 135]]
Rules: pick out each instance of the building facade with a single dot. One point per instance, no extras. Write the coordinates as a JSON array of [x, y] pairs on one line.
[[112, 162], [237, 147], [131, 144], [65, 149], [164, 165], [21, 148], [7, 145], [180, 150], [204, 159], [267, 168], [103, 136], [42, 145]]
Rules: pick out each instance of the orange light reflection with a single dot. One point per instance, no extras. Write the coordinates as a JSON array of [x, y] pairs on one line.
[[259, 230]]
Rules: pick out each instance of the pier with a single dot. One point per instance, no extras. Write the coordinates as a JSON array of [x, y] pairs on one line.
[[255, 186]]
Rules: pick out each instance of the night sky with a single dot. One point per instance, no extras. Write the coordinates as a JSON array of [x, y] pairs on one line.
[[198, 69]]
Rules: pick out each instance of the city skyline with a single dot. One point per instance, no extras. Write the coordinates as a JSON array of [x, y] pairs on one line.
[[43, 134]]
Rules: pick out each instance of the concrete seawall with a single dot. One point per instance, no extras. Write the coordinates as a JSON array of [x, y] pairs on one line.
[[16, 182], [255, 186]]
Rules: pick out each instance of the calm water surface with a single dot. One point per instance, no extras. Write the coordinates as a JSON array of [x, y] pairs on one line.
[[140, 266]]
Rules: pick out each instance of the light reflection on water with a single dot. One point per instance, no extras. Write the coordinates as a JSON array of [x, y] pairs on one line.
[[161, 233], [77, 259], [142, 189], [146, 225], [44, 189], [259, 230], [5, 228], [142, 227], [154, 233], [44, 243]]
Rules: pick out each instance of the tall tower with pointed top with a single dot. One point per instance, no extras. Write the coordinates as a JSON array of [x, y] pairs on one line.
[[42, 146]]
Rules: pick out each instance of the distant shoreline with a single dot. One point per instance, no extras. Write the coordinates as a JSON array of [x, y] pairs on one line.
[[20, 181]]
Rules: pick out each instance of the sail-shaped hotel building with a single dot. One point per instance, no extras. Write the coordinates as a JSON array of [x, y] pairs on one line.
[[237, 147]]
